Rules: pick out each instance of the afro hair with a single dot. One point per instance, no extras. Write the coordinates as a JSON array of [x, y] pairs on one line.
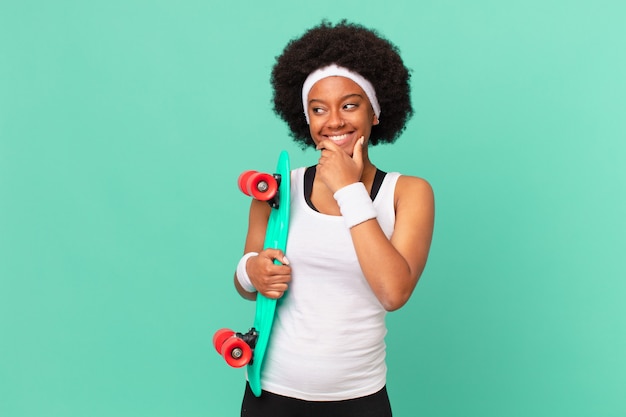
[[354, 47]]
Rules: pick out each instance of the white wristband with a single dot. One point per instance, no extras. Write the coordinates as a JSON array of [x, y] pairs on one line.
[[355, 204], [242, 273]]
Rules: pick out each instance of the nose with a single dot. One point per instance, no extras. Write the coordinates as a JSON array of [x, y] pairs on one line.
[[335, 120]]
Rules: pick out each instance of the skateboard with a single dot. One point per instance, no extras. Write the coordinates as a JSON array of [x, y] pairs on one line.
[[249, 349]]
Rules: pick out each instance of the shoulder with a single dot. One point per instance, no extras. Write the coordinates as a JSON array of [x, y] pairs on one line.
[[413, 192], [412, 185]]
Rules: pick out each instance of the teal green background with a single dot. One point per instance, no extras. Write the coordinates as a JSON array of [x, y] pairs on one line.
[[123, 128]]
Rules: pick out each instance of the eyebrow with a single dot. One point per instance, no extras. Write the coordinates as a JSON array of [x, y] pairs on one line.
[[347, 96]]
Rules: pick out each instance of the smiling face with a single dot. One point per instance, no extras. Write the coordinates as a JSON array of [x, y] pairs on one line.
[[339, 110]]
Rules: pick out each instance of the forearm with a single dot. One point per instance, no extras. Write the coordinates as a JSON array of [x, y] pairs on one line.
[[245, 294], [257, 224], [386, 270]]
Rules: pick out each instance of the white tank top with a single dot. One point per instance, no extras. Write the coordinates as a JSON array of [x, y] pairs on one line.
[[328, 338]]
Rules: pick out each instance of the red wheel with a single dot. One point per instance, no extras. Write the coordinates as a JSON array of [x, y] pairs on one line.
[[242, 181], [236, 352], [261, 186], [220, 337]]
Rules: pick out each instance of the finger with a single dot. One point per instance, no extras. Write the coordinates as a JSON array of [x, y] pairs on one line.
[[327, 145], [275, 290], [276, 255], [357, 152], [274, 295]]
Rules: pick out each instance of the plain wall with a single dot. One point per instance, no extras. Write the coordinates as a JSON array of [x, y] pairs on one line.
[[124, 126]]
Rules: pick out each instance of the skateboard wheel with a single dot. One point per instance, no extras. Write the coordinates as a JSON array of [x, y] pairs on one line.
[[258, 185], [236, 352], [243, 179], [262, 186], [220, 337]]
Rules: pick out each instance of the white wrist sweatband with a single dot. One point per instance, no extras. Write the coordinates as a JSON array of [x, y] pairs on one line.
[[242, 273], [355, 204]]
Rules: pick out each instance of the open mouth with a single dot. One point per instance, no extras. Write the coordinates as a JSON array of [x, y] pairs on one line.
[[341, 139], [338, 138]]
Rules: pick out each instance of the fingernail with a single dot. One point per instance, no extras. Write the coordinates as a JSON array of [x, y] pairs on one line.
[[362, 140], [285, 260]]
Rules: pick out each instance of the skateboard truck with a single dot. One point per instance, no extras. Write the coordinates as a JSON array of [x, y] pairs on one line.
[[250, 338], [274, 202], [235, 347]]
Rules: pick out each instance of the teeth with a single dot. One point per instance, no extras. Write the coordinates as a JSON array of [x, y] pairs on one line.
[[338, 138]]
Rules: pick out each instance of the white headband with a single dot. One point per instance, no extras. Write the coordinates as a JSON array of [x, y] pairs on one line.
[[334, 70]]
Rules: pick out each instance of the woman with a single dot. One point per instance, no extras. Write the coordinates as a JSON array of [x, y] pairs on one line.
[[359, 237]]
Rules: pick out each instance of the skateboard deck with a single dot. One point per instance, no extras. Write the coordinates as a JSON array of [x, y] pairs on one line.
[[250, 348]]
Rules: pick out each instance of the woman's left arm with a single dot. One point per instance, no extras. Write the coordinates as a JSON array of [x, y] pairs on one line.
[[393, 266]]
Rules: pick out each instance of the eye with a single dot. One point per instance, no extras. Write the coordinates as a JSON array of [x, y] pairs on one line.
[[350, 106], [317, 110]]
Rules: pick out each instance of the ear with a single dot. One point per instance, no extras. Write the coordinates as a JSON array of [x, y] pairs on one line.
[[375, 121]]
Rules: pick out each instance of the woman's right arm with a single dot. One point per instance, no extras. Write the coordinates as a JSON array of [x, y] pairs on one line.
[[269, 279]]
